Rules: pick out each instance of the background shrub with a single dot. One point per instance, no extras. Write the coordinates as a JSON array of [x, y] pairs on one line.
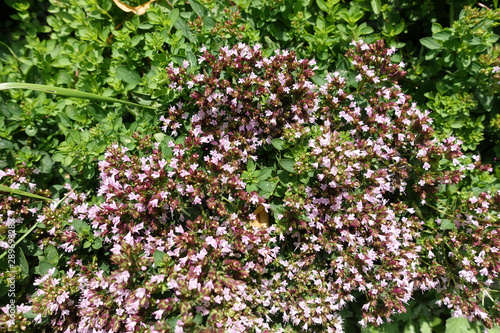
[[369, 198]]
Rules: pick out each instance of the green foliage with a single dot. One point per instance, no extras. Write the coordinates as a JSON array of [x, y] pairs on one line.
[[454, 73], [93, 47], [453, 117], [451, 55]]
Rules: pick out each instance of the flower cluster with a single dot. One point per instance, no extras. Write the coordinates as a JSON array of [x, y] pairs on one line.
[[346, 171]]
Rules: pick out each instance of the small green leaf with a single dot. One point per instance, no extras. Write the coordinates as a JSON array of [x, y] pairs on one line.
[[364, 29], [458, 325], [287, 164], [159, 137], [285, 177], [322, 5], [410, 328], [430, 43], [31, 130], [304, 178], [174, 15], [251, 165], [463, 61], [97, 244], [81, 227], [128, 75], [252, 188], [375, 6], [44, 267], [30, 248], [266, 186], [198, 8], [158, 258], [23, 263], [442, 35], [198, 319], [485, 99], [425, 327], [278, 143], [51, 254], [265, 173], [447, 225], [88, 171]]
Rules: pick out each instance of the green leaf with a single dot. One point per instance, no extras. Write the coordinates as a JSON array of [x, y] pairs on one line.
[[23, 263], [158, 258], [69, 93], [287, 164], [198, 8], [447, 225], [463, 61], [486, 100], [6, 144], [425, 327], [322, 5], [265, 173], [51, 254], [278, 143], [3, 289], [266, 186], [375, 6], [81, 227], [31, 130], [430, 43], [304, 178], [128, 75], [458, 325], [410, 328], [97, 244], [44, 267], [30, 248], [159, 137], [251, 165], [174, 15], [320, 23], [46, 163], [88, 171], [181, 24], [285, 177], [4, 188], [442, 35], [364, 29], [456, 124], [251, 188]]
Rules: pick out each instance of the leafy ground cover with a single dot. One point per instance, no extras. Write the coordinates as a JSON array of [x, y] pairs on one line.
[[264, 166]]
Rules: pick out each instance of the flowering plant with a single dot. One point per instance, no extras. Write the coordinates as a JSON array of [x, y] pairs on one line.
[[347, 169]]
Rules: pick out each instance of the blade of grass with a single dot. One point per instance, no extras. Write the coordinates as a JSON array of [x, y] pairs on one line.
[[10, 50], [4, 188], [67, 92]]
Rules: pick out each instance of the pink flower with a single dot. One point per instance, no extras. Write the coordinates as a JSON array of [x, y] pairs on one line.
[[197, 201], [193, 284]]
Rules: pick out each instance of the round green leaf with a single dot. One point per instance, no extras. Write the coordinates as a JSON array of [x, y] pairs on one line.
[[31, 130]]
